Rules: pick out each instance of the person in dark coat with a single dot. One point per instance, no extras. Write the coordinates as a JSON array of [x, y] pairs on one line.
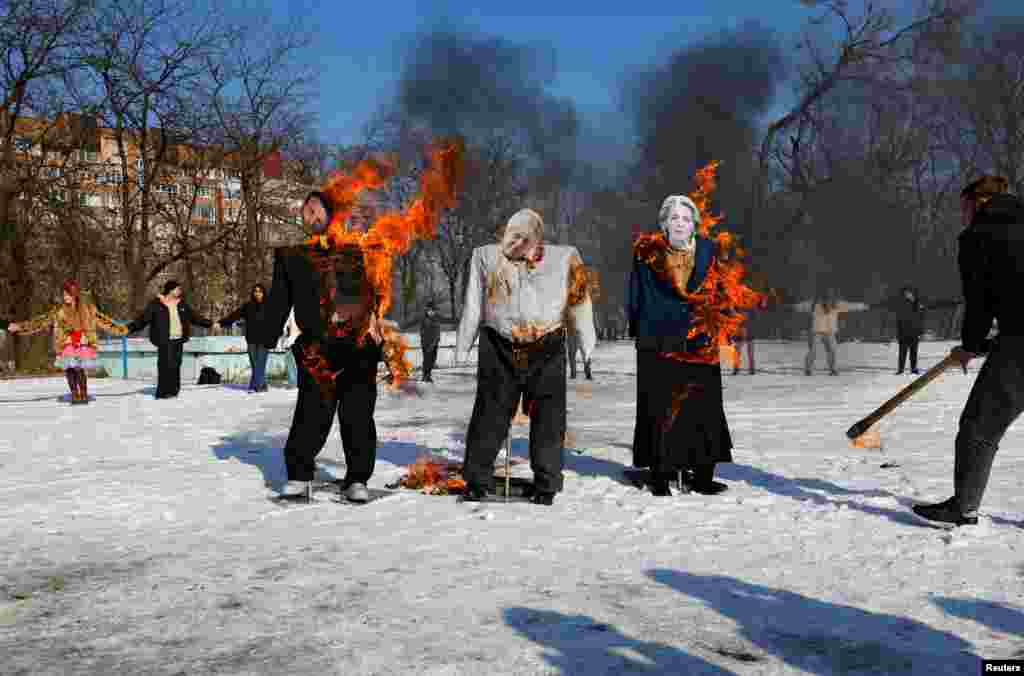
[[681, 426], [253, 313], [170, 321], [990, 255], [908, 314], [430, 339], [338, 351]]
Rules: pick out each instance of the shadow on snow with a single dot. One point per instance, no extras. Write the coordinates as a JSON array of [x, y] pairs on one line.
[[577, 644], [824, 637]]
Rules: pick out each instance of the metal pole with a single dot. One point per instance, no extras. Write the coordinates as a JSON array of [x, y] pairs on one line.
[[124, 355], [508, 465]]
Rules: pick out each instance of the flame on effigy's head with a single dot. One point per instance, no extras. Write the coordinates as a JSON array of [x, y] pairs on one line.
[[393, 233]]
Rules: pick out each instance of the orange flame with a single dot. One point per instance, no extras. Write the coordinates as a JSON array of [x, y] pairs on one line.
[[730, 354], [435, 476], [717, 304], [870, 439], [392, 234]]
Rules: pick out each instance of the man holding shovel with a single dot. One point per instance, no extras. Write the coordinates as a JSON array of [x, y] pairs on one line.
[[990, 260]]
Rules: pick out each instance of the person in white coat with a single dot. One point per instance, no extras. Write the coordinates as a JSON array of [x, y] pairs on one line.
[[824, 326], [522, 292]]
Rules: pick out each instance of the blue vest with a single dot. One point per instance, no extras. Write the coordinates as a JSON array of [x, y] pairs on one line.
[[660, 319]]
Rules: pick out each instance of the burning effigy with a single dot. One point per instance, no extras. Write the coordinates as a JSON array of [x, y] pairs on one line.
[[389, 235], [687, 297], [522, 297], [720, 299]]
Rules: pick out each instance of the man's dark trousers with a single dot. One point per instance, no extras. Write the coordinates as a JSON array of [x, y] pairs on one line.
[[995, 402], [168, 368], [908, 345], [500, 383], [354, 402], [429, 359]]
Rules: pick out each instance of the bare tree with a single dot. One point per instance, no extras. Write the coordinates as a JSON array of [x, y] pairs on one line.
[[991, 96], [39, 48], [495, 185], [260, 95], [147, 58], [871, 43]]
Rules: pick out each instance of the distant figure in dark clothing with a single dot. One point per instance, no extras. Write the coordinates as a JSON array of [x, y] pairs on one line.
[[170, 321], [991, 251], [909, 312], [430, 339], [430, 336], [252, 313]]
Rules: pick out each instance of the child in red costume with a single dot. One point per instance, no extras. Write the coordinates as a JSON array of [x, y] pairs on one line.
[[74, 326]]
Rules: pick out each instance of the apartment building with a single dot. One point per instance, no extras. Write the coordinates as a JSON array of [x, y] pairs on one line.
[[80, 163]]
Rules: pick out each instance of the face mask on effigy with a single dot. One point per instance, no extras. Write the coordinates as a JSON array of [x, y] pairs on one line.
[[523, 236], [678, 221]]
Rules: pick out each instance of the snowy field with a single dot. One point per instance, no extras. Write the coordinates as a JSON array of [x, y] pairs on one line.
[[136, 538]]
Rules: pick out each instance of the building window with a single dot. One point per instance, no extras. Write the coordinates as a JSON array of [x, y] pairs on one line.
[[112, 176], [53, 172], [87, 155], [23, 144], [232, 189], [167, 188], [203, 213], [89, 199]]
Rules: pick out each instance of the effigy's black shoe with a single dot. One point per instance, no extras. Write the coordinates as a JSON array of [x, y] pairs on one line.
[[546, 499], [474, 494], [660, 488], [709, 488]]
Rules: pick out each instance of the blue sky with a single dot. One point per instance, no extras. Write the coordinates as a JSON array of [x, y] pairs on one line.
[[359, 43]]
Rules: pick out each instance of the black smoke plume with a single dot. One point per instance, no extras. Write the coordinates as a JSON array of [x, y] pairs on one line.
[[459, 82], [705, 104]]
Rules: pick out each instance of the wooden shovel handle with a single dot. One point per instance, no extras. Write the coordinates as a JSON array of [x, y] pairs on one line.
[[861, 426]]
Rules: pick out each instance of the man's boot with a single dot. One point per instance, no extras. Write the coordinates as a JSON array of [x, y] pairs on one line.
[[947, 511], [72, 377], [83, 386]]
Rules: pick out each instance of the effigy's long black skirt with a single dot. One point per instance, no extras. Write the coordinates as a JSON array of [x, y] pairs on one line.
[[697, 433]]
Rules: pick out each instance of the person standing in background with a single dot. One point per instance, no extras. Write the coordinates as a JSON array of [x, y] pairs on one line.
[[252, 313], [430, 339], [824, 326], [170, 319], [908, 311], [74, 325]]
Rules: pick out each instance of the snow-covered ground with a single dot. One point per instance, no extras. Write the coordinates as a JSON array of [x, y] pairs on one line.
[[136, 538]]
